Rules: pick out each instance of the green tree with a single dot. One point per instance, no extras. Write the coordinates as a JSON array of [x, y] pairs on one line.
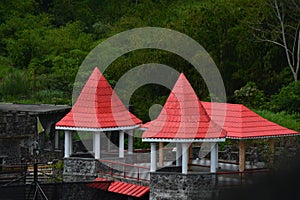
[[250, 96], [288, 99]]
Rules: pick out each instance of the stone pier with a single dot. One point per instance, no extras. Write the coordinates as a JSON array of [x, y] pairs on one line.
[[177, 186], [80, 169]]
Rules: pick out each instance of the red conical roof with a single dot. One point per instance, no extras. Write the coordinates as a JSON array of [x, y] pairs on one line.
[[242, 123], [98, 107], [182, 117]]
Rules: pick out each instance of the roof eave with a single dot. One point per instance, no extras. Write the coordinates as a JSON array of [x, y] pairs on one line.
[[263, 137], [97, 129], [183, 140]]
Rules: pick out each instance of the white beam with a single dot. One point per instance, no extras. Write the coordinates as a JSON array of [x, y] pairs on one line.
[[121, 144], [93, 143], [108, 141], [67, 144], [185, 151], [178, 154], [153, 157], [217, 155], [130, 141], [71, 142], [161, 154], [213, 159], [97, 144]]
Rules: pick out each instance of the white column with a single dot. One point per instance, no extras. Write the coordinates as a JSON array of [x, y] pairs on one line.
[[185, 151], [161, 154], [130, 141], [97, 142], [153, 157], [213, 159], [121, 144], [93, 142], [56, 140], [178, 154], [67, 144], [71, 142], [108, 141], [217, 155]]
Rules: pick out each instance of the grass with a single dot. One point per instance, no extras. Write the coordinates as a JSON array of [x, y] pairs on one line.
[[5, 66]]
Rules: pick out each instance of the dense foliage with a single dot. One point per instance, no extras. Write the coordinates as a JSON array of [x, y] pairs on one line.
[[43, 42]]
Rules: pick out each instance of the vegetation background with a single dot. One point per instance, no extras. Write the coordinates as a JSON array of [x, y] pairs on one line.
[[43, 42]]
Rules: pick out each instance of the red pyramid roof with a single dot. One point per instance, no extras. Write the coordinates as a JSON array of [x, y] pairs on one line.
[[182, 117], [242, 123], [98, 107]]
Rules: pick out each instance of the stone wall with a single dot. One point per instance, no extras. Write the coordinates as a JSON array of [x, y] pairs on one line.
[[16, 132], [17, 124], [80, 169], [10, 150], [177, 186]]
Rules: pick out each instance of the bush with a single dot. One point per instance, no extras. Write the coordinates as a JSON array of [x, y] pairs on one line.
[[288, 99], [250, 96]]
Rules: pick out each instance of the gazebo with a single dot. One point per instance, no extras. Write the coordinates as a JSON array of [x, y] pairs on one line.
[[183, 120], [241, 123], [98, 109]]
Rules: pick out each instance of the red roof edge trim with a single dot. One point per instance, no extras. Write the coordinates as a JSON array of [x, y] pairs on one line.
[[266, 136]]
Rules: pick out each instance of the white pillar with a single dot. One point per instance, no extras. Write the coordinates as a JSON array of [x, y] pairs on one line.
[[67, 144], [93, 142], [56, 140], [108, 141], [97, 142], [213, 159], [217, 155], [185, 151], [153, 157], [178, 154], [161, 154], [121, 144], [130, 141], [71, 142]]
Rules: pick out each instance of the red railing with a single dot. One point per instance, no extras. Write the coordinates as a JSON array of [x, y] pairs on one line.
[[124, 170]]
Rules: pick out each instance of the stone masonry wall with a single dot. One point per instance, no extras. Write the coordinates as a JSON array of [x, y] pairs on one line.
[[10, 151], [80, 169], [16, 130], [177, 186], [16, 124]]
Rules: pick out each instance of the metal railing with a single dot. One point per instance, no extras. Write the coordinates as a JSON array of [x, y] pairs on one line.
[[235, 178], [124, 170]]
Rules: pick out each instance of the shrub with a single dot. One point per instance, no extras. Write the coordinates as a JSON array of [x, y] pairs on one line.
[[288, 99], [250, 96]]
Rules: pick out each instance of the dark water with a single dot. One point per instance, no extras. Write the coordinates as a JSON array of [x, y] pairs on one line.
[[283, 183]]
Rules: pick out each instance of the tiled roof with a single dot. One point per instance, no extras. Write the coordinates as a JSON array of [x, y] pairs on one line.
[[241, 123], [120, 187], [182, 117], [98, 106]]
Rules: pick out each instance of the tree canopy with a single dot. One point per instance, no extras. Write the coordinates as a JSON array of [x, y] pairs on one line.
[[43, 43]]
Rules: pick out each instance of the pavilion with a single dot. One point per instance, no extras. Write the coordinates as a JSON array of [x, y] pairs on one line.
[[183, 121], [98, 109], [238, 121], [242, 124]]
